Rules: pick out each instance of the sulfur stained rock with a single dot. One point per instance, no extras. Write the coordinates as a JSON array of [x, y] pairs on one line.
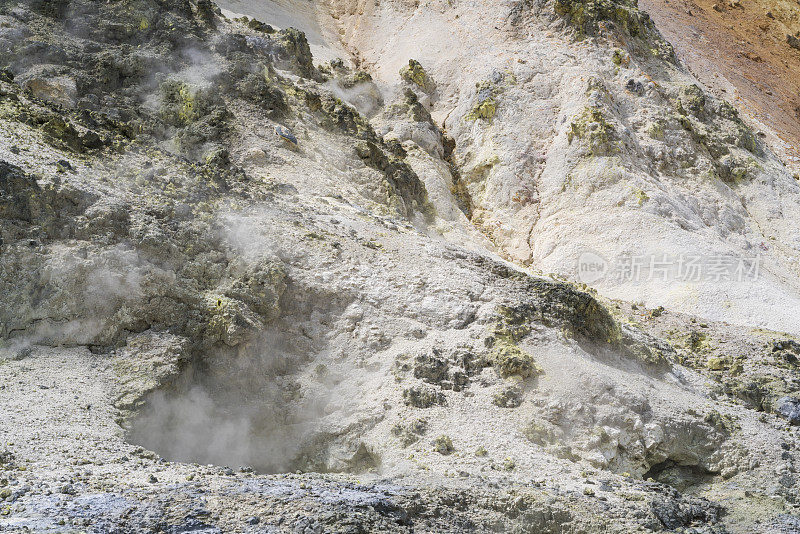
[[592, 127], [401, 178], [198, 114], [510, 360], [589, 16], [412, 432], [260, 286], [280, 297], [148, 360], [50, 206], [786, 345], [510, 397], [259, 26], [431, 368], [63, 133], [415, 74], [443, 445], [541, 433], [505, 356], [256, 88], [230, 321], [297, 51], [19, 194], [423, 397], [691, 99], [716, 363], [206, 12], [485, 106]]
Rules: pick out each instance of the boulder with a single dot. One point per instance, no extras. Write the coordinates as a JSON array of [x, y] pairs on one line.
[[59, 90], [789, 407]]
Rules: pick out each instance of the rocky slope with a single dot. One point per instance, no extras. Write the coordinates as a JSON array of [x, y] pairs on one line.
[[603, 145], [291, 266], [749, 55]]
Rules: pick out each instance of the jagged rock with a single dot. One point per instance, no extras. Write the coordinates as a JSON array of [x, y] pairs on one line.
[[485, 106], [24, 200], [423, 397], [510, 397], [148, 361], [297, 51], [260, 286], [509, 360], [431, 368], [443, 445], [786, 345], [230, 43], [206, 12], [588, 16], [402, 178], [19, 194], [259, 26], [59, 90], [789, 407], [415, 74], [674, 510], [412, 432], [256, 89]]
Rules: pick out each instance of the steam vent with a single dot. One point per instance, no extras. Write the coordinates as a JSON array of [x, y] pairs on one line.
[[356, 266]]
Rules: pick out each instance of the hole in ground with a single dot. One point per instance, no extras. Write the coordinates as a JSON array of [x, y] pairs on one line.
[[245, 411], [681, 477]]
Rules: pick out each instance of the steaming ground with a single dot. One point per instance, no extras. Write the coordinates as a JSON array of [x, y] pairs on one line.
[[635, 191], [208, 326], [311, 18]]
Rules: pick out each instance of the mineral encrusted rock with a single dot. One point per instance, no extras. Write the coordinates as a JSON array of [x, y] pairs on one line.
[[309, 267]]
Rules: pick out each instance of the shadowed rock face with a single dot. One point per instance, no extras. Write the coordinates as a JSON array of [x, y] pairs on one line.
[[264, 277]]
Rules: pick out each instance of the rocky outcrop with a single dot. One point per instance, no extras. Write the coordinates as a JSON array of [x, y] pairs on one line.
[[228, 257]]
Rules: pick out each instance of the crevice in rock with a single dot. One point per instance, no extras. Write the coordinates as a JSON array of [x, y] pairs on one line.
[[682, 477], [459, 187]]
